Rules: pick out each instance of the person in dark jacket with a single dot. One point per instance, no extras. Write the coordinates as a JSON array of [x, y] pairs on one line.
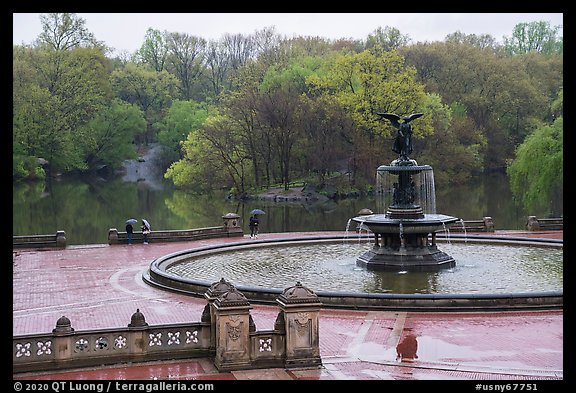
[[254, 221], [129, 231]]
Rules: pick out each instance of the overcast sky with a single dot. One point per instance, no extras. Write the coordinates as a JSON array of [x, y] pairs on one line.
[[126, 31]]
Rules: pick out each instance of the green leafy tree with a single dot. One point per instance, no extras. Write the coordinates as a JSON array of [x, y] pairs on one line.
[[502, 94], [60, 93], [151, 91], [457, 148], [109, 137], [536, 174], [200, 169], [364, 84], [153, 51], [280, 113], [537, 36], [182, 118]]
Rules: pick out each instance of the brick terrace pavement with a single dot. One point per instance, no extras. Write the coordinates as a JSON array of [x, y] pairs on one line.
[[100, 286]]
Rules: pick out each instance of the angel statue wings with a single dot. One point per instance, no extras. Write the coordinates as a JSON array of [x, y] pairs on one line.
[[403, 142]]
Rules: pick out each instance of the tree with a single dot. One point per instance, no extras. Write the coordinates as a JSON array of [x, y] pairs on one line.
[[388, 38], [182, 118], [185, 60], [154, 50], [224, 141], [225, 57], [535, 36], [502, 94], [457, 147], [536, 174], [364, 84], [57, 94], [325, 128], [280, 113], [200, 169], [481, 41], [64, 31], [151, 91], [109, 137]]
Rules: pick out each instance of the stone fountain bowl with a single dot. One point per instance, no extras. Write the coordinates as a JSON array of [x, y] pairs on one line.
[[380, 223]]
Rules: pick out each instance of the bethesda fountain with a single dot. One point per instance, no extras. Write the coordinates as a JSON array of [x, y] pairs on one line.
[[358, 275], [405, 235]]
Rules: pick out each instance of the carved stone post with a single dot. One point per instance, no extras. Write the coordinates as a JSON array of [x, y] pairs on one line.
[[137, 335], [232, 224], [217, 289], [232, 315], [489, 224], [113, 236], [533, 224], [63, 340], [61, 239], [301, 308]]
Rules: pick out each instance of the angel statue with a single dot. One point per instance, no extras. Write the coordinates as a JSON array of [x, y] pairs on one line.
[[403, 142]]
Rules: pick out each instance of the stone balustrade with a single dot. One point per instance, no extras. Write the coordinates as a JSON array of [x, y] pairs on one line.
[[231, 227], [57, 240], [486, 224], [226, 333], [545, 224]]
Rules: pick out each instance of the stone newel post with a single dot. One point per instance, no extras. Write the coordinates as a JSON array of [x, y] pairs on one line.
[[232, 224], [217, 289], [137, 334], [301, 308], [63, 339], [232, 318]]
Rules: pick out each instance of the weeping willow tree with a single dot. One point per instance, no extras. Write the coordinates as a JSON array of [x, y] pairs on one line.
[[536, 174]]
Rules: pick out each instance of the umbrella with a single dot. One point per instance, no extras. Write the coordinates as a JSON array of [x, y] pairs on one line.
[[257, 211], [146, 223], [131, 221]]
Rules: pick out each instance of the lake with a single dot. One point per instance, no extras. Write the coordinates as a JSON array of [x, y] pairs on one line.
[[87, 208]]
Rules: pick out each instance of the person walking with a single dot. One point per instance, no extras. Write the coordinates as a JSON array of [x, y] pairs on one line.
[[254, 221], [129, 232]]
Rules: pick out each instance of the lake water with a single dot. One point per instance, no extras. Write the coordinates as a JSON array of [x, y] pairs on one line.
[[87, 208]]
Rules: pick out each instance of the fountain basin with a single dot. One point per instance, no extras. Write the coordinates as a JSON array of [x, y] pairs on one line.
[[538, 297]]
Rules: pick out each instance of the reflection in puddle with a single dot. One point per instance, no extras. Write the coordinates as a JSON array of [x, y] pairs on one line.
[[407, 349]]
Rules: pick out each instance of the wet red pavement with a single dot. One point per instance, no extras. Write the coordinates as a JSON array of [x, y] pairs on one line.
[[100, 286]]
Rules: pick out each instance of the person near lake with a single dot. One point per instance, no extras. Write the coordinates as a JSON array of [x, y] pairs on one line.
[[254, 221], [129, 232], [145, 232]]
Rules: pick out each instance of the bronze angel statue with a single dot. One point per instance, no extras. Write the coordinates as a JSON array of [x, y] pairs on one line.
[[403, 142]]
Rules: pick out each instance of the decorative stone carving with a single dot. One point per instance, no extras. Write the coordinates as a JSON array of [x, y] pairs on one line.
[[232, 322], [300, 307]]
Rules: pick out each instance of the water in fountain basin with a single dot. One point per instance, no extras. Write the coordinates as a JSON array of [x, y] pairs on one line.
[[333, 267]]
